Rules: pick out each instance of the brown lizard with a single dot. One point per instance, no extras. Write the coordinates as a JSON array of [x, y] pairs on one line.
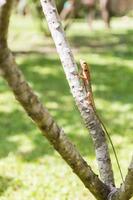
[[85, 76]]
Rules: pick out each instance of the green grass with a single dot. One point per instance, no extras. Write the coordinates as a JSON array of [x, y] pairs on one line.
[[29, 166]]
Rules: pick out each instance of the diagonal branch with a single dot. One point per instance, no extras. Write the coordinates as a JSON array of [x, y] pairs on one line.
[[45, 122], [91, 121], [50, 128], [52, 131]]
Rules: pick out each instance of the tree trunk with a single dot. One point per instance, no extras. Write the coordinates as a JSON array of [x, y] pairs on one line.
[[48, 126], [120, 7], [41, 116]]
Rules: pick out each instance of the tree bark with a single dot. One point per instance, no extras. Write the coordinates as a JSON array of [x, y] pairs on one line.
[[125, 192], [50, 129], [43, 119], [91, 121], [4, 21]]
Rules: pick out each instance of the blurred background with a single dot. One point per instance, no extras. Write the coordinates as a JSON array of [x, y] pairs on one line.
[[101, 32]]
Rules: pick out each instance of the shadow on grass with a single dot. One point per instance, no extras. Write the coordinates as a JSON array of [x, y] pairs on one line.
[[118, 44], [13, 127], [47, 78], [11, 124], [16, 124], [41, 148], [115, 78], [5, 182], [116, 81], [45, 75]]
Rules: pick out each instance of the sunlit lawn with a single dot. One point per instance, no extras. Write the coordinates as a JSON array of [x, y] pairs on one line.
[[29, 167]]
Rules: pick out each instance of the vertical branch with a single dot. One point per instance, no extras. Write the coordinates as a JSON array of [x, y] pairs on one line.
[[5, 9], [40, 115], [70, 68], [125, 192], [50, 129]]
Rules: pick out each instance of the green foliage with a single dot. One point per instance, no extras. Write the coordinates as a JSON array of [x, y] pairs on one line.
[[29, 167]]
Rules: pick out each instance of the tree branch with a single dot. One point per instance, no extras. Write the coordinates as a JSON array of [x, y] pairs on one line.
[[91, 121], [50, 128], [44, 120], [5, 9], [126, 190]]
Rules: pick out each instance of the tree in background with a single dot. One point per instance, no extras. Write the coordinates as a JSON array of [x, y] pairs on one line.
[[108, 8]]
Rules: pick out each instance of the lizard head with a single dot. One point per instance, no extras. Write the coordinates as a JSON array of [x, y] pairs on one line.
[[84, 65]]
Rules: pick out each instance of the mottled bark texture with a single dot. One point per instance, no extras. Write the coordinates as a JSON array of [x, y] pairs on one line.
[[4, 21], [125, 192], [92, 122], [44, 120], [49, 127]]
